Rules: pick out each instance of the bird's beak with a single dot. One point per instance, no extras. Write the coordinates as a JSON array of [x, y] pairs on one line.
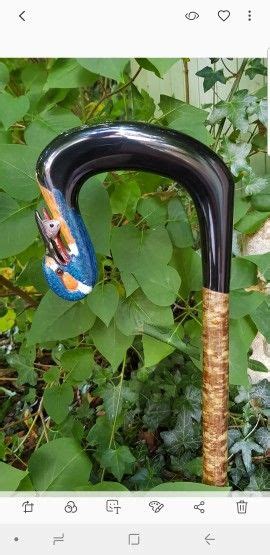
[[53, 246]]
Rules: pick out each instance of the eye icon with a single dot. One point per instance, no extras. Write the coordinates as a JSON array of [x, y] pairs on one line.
[[192, 15]]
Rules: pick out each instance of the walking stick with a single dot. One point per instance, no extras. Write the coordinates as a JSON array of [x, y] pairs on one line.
[[70, 264]]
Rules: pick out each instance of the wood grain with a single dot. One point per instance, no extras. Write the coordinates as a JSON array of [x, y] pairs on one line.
[[215, 386]]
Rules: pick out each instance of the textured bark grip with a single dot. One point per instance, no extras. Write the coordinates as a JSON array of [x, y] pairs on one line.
[[215, 386]]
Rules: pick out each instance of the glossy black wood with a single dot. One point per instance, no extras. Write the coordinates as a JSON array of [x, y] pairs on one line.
[[81, 153]]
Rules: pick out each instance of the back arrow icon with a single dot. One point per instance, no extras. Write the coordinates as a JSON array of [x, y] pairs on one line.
[[208, 539], [21, 15]]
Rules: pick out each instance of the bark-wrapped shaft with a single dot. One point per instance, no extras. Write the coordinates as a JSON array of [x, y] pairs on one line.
[[215, 386]]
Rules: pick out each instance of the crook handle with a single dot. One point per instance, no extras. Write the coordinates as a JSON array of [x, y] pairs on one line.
[[81, 153]]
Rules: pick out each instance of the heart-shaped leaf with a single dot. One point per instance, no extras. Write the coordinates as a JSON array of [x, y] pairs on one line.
[[59, 465], [12, 108]]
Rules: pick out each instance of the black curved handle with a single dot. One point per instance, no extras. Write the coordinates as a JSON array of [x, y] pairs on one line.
[[80, 153]]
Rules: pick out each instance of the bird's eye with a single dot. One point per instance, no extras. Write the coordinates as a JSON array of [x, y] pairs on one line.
[[59, 272]]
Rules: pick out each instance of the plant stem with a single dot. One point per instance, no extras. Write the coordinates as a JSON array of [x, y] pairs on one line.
[[228, 69], [116, 411], [186, 80], [233, 90], [110, 94], [17, 291], [38, 414]]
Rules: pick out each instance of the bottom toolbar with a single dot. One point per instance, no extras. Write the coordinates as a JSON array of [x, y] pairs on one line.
[[134, 539]]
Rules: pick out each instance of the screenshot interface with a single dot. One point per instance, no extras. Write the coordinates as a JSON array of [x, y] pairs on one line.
[[134, 278]]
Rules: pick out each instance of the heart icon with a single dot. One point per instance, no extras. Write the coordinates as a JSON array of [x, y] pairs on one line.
[[224, 14]]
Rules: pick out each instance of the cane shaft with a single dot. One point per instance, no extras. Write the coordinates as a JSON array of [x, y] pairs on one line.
[[215, 386]]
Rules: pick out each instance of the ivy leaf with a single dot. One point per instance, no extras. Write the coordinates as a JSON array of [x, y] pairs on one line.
[[100, 433], [254, 184], [260, 394], [193, 401], [260, 480], [56, 318], [237, 110], [233, 436], [57, 400], [255, 67], [103, 301], [235, 154], [262, 436], [112, 400], [185, 434], [118, 461], [262, 112], [60, 465], [157, 413], [211, 77], [245, 447]]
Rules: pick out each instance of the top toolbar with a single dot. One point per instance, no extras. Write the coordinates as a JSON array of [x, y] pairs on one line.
[[185, 29]]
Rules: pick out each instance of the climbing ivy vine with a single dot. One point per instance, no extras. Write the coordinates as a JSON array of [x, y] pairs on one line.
[[112, 384]]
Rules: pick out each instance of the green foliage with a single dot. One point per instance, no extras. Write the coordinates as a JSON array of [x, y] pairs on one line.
[[211, 77], [59, 465], [118, 461], [108, 389], [185, 118], [56, 401], [56, 318]]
